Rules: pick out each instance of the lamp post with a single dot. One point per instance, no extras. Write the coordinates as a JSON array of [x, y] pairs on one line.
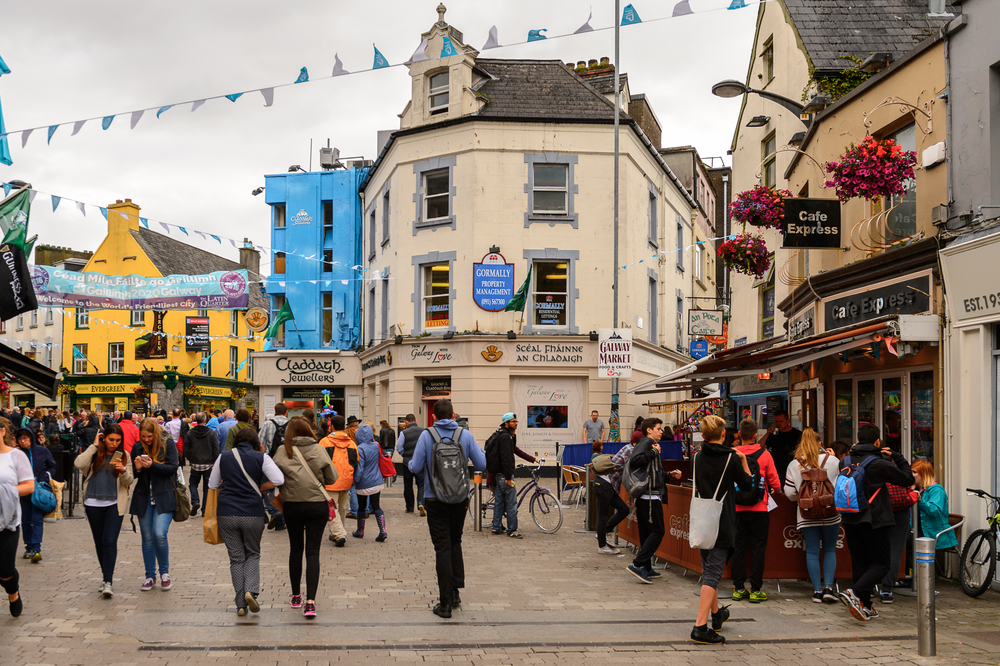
[[733, 88], [613, 417]]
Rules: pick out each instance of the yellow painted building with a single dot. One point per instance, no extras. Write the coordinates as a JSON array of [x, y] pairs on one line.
[[122, 354]]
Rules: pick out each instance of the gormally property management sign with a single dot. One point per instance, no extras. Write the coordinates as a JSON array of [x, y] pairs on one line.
[[493, 282]]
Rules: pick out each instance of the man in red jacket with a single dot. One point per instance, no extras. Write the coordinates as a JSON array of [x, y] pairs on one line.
[[130, 430], [753, 521]]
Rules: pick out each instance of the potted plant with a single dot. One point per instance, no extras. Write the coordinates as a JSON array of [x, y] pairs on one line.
[[871, 169], [760, 207], [745, 253], [238, 393]]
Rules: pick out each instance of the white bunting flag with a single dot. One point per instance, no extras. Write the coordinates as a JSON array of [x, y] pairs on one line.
[[24, 137], [418, 55], [77, 126], [80, 205], [268, 94], [493, 41], [136, 115], [338, 67], [196, 105]]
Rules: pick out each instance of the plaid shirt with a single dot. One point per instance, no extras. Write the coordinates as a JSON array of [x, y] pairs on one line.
[[619, 462]]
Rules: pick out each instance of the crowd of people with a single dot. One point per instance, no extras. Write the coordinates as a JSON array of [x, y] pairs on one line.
[[301, 474]]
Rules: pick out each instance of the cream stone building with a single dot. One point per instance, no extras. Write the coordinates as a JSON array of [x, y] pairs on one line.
[[501, 168]]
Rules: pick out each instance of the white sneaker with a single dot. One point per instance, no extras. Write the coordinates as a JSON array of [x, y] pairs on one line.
[[107, 591], [608, 550]]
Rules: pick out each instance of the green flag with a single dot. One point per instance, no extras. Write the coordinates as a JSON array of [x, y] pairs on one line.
[[14, 212], [517, 302], [284, 314]]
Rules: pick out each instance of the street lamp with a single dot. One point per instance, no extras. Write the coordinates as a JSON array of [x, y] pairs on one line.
[[733, 88]]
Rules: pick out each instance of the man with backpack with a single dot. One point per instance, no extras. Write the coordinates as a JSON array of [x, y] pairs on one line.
[[866, 509], [752, 518], [344, 455], [272, 436], [405, 445], [202, 452], [441, 455], [501, 448]]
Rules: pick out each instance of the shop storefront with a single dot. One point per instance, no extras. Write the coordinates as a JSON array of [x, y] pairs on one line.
[[550, 382], [299, 379], [199, 395], [105, 394], [757, 397]]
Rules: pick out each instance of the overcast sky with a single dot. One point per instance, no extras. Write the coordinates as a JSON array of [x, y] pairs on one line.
[[72, 60]]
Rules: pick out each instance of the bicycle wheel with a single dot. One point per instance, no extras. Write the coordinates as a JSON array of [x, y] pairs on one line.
[[546, 512], [979, 562]]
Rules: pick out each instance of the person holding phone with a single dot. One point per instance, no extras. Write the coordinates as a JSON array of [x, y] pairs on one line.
[[106, 480], [153, 502]]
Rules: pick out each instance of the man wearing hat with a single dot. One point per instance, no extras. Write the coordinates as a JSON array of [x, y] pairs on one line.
[[505, 491]]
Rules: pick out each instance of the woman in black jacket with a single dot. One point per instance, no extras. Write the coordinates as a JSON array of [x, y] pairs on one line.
[[153, 502], [717, 467]]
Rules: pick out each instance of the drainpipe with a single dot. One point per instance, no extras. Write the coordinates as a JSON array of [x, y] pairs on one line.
[[725, 232]]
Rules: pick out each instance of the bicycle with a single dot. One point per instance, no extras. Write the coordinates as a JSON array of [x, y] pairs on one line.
[[979, 556], [545, 509]]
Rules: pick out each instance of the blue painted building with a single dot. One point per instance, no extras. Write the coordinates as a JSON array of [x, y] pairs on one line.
[[316, 243]]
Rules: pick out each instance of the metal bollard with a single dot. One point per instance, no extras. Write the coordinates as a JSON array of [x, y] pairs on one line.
[[477, 503], [926, 620]]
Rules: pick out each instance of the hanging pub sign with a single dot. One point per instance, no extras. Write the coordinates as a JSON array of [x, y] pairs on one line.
[[699, 348], [705, 322], [196, 334], [614, 353], [811, 224], [493, 282]]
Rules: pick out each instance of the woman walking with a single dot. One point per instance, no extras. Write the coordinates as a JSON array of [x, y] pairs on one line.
[[106, 480], [43, 466], [819, 534], [243, 473], [16, 481], [153, 502], [306, 468], [717, 467], [368, 482]]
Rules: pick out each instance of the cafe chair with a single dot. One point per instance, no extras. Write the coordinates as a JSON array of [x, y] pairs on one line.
[[573, 482]]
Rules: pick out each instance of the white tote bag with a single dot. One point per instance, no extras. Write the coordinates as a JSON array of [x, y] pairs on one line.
[[705, 512]]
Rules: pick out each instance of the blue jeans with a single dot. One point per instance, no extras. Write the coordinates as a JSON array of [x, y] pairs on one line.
[[505, 502], [193, 482], [354, 501], [31, 525], [271, 511], [153, 526], [813, 537]]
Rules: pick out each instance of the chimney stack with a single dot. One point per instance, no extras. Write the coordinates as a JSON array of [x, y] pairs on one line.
[[249, 257]]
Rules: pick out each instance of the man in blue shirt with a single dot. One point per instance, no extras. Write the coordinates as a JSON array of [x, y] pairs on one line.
[[223, 430], [445, 521]]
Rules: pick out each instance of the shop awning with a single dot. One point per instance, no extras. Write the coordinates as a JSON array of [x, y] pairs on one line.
[[775, 355], [27, 371]]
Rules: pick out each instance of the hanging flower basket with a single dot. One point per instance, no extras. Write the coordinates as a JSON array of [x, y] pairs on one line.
[[239, 393], [141, 392], [760, 207], [871, 169], [5, 388], [745, 253], [64, 389], [192, 389]]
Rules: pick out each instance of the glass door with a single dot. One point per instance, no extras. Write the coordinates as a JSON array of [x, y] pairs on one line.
[[900, 404]]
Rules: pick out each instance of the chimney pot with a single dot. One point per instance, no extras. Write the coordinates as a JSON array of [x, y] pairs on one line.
[[118, 201], [128, 201], [605, 60], [581, 63], [592, 63]]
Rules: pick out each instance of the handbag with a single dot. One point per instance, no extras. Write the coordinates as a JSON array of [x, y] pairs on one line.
[[703, 530], [43, 497], [210, 527], [183, 500], [386, 466], [330, 502]]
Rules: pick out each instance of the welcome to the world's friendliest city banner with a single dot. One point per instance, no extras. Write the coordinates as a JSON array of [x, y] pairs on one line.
[[221, 290]]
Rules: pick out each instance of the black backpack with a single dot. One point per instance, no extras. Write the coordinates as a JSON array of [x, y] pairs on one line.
[[449, 470], [493, 464], [755, 494], [279, 437]]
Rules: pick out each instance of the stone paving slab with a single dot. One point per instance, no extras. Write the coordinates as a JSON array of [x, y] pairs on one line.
[[544, 599]]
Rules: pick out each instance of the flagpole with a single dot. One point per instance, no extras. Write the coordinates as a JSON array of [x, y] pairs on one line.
[[301, 344], [615, 431]]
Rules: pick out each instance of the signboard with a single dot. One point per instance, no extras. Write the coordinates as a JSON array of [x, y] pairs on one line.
[[493, 282], [614, 353], [256, 320], [719, 339], [811, 224], [196, 334], [437, 387], [221, 290], [802, 325], [317, 368], [111, 389], [909, 296], [705, 322], [729, 413], [973, 290], [699, 348]]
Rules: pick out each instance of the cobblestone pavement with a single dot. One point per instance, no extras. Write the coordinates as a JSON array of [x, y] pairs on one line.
[[545, 599]]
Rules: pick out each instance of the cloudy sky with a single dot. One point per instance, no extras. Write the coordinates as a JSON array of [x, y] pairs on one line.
[[72, 60]]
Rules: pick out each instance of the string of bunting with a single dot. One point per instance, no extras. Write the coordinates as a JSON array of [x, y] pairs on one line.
[[675, 251], [630, 16], [372, 274], [134, 329]]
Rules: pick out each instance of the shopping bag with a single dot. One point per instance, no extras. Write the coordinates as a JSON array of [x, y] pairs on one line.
[[57, 488], [703, 523], [211, 524]]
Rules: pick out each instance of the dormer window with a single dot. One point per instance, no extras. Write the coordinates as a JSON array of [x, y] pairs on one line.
[[437, 96]]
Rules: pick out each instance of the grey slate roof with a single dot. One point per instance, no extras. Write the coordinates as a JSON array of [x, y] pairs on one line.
[[172, 257], [831, 28], [539, 89], [605, 83]]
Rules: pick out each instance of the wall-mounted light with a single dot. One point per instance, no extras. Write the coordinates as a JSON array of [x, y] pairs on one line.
[[449, 335], [257, 191], [296, 167], [816, 104], [594, 337], [797, 139], [875, 62], [759, 121], [511, 335], [494, 249]]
